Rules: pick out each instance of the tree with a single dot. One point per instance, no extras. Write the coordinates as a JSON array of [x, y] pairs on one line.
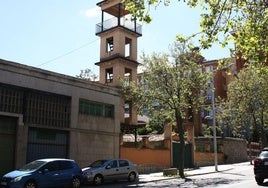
[[244, 22], [171, 85], [246, 107], [87, 74]]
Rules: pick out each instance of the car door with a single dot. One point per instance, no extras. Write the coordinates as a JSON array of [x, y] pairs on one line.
[[50, 174], [65, 173], [111, 171], [124, 168]]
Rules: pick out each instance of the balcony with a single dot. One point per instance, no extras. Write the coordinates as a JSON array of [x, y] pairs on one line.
[[115, 22]]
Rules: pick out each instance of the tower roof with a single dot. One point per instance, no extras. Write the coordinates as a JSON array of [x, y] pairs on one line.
[[111, 7]]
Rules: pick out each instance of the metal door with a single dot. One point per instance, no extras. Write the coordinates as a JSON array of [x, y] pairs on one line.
[[46, 143], [7, 143], [187, 155]]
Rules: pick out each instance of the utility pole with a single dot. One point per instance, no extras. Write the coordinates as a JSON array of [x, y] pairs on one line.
[[214, 126]]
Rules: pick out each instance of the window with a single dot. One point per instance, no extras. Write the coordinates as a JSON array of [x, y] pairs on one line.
[[52, 166], [66, 165], [109, 75], [127, 47], [11, 99], [109, 44], [113, 164], [123, 163], [209, 68], [37, 107], [127, 76], [263, 154], [96, 109]]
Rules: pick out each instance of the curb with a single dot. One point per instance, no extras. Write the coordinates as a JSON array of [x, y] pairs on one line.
[[186, 176]]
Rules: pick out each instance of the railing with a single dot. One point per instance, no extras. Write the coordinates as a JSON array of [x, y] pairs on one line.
[[113, 22]]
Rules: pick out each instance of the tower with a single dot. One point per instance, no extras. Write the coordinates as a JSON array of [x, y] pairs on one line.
[[118, 51]]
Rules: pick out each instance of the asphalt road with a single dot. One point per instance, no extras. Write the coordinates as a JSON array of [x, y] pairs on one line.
[[229, 176]]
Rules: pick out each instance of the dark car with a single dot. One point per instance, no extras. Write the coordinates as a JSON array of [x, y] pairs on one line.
[[44, 173], [261, 166], [110, 169]]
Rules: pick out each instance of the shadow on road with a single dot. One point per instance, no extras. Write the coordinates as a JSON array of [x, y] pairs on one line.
[[183, 183], [207, 182]]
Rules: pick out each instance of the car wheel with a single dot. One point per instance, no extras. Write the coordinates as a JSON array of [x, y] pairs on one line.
[[75, 182], [98, 179], [30, 184], [132, 176], [259, 180]]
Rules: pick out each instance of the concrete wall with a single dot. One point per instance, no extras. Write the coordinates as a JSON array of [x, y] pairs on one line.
[[90, 137], [235, 150], [230, 150]]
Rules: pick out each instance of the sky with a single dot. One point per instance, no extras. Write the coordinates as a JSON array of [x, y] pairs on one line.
[[59, 35]]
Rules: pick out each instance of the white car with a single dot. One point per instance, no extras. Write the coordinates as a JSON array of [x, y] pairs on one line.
[[110, 169]]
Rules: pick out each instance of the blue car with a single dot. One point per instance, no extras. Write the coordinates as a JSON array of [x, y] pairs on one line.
[[44, 173]]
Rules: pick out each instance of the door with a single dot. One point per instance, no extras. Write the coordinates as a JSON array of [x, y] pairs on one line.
[[112, 171], [66, 172], [46, 143], [7, 143], [124, 168], [187, 155], [51, 176]]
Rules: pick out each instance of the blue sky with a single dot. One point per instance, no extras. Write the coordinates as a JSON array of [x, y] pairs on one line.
[[59, 35]]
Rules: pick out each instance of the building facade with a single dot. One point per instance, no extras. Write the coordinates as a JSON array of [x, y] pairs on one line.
[[45, 114]]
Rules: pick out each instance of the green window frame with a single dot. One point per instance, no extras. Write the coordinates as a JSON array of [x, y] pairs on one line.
[[96, 109]]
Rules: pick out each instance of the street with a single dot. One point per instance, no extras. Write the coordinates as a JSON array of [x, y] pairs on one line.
[[238, 175]]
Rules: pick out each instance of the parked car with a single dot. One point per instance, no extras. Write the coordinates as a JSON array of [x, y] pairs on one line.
[[44, 173], [110, 169], [261, 166]]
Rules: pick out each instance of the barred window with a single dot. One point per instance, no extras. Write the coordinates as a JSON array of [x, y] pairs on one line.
[[37, 107], [47, 109], [96, 109], [11, 100]]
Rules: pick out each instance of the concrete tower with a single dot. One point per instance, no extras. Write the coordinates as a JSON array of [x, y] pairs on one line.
[[118, 51]]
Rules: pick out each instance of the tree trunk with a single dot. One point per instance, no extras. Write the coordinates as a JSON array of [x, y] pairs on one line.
[[182, 145]]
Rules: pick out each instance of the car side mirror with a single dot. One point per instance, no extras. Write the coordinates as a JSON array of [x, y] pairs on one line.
[[45, 171], [108, 167]]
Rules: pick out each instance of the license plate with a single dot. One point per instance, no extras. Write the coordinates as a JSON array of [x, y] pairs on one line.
[[3, 183], [265, 163]]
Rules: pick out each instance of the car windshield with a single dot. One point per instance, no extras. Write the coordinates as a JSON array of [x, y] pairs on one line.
[[97, 164], [264, 154], [32, 166]]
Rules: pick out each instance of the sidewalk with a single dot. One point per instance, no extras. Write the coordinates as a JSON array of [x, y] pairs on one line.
[[188, 172]]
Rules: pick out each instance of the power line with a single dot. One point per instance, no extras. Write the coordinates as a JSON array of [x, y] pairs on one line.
[[67, 53]]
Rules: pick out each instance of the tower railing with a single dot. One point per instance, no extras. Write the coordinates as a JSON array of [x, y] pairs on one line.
[[123, 22]]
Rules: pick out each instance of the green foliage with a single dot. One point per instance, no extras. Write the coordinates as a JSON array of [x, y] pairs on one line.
[[170, 87], [170, 83], [207, 130], [144, 130], [156, 123], [244, 22], [246, 109]]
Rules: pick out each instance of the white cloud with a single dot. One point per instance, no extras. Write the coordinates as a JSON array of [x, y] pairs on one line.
[[93, 12]]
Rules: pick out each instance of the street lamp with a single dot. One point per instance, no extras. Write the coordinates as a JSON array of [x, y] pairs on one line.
[[214, 124], [214, 116], [214, 127]]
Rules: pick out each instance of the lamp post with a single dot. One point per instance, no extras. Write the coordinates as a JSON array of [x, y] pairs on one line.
[[214, 117], [214, 126]]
